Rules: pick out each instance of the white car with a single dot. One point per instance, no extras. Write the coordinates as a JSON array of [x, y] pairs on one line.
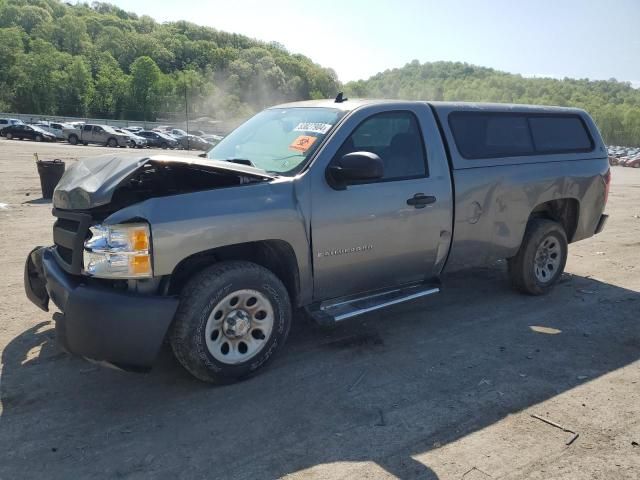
[[55, 128], [134, 140], [5, 122]]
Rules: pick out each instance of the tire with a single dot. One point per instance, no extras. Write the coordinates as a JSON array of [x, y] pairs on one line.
[[163, 145], [206, 317], [38, 138], [535, 270], [9, 136], [73, 139], [112, 142]]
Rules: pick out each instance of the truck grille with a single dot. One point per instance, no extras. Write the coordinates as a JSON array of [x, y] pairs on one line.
[[69, 233]]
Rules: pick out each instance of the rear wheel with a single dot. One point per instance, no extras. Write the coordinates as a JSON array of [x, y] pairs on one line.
[[9, 135], [541, 259], [164, 145], [231, 320]]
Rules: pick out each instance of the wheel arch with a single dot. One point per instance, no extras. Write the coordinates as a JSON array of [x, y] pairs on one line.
[[275, 255], [565, 211]]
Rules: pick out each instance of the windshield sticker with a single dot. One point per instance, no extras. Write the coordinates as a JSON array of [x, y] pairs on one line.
[[302, 143], [320, 128]]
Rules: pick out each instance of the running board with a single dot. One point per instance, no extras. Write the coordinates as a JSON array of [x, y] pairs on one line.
[[327, 313]]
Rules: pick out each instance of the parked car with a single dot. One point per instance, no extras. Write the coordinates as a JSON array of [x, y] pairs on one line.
[[613, 160], [212, 139], [191, 142], [134, 129], [135, 141], [55, 128], [30, 132], [177, 132], [157, 139], [101, 134], [334, 207], [633, 163], [5, 122]]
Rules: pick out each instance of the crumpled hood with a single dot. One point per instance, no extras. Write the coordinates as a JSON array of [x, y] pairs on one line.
[[91, 182]]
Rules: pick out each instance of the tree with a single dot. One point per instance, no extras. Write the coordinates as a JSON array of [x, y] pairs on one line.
[[145, 88], [35, 77], [110, 91], [76, 88]]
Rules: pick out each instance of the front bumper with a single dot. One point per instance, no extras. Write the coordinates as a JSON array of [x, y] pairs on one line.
[[120, 328]]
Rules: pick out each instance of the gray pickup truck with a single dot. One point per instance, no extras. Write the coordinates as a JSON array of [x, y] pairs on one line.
[[328, 208], [101, 134]]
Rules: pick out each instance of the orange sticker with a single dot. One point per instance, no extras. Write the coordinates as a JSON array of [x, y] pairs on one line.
[[302, 143]]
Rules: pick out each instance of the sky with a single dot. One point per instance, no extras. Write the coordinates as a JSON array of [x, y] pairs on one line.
[[359, 38]]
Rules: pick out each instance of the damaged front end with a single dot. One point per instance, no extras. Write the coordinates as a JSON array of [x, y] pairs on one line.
[[110, 313], [122, 181]]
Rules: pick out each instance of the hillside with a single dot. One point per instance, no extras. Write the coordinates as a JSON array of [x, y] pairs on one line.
[[614, 105], [99, 60]]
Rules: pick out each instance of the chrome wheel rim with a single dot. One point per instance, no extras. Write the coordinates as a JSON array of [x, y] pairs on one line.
[[239, 326], [547, 259]]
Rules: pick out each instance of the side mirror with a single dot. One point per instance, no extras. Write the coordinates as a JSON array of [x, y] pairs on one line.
[[354, 167]]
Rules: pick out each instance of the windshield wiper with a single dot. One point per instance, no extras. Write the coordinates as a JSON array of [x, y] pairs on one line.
[[241, 161]]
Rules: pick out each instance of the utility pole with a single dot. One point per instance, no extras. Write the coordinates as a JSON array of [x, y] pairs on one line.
[[186, 107]]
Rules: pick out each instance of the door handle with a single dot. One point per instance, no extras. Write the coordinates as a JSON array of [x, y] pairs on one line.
[[420, 200]]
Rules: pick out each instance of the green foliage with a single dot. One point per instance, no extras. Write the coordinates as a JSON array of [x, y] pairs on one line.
[[99, 60], [614, 105]]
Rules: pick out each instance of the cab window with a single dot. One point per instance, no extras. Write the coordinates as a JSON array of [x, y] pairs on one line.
[[395, 137]]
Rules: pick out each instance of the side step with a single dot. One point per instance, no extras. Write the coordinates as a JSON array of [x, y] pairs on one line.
[[329, 312]]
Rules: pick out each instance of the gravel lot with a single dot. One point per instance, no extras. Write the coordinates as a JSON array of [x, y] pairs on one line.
[[441, 388]]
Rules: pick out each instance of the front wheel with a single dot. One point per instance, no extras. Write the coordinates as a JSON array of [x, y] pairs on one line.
[[9, 135], [38, 138], [164, 145], [541, 259], [232, 318], [73, 140], [112, 142]]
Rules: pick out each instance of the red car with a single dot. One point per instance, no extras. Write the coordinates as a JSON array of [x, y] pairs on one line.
[[633, 162]]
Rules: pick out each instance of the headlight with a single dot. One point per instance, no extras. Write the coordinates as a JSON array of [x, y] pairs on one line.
[[118, 251]]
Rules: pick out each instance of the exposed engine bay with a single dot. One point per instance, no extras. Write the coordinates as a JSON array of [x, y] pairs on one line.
[[107, 184], [161, 179]]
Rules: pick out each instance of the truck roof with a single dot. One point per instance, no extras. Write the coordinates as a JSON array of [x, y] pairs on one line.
[[352, 104]]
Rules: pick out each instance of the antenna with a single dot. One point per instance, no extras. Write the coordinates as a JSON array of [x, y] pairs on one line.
[[340, 98]]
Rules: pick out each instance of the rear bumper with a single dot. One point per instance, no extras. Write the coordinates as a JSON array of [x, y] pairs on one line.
[[601, 223], [120, 328]]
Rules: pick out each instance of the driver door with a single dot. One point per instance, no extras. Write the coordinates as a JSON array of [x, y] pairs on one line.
[[372, 236]]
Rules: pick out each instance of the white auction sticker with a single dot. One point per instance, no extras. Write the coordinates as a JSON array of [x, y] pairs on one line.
[[320, 128]]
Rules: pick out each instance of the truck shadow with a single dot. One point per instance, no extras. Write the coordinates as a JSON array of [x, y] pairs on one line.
[[381, 390]]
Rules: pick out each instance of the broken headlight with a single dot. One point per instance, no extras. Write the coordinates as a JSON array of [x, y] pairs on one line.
[[118, 251]]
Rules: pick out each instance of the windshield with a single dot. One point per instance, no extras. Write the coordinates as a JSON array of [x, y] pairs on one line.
[[278, 140]]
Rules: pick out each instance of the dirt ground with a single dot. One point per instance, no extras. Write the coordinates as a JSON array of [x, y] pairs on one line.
[[443, 388]]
